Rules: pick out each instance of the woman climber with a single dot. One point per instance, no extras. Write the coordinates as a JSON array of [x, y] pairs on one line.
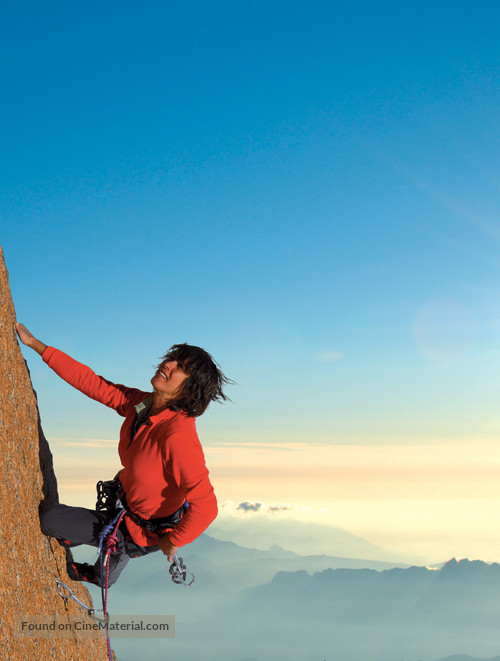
[[164, 483]]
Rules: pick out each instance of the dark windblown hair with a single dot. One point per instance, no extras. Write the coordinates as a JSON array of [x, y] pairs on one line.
[[204, 382]]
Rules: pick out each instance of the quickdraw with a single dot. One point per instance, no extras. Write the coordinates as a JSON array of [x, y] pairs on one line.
[[69, 594], [179, 572]]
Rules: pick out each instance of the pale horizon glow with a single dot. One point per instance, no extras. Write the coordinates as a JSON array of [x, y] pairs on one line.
[[414, 499]]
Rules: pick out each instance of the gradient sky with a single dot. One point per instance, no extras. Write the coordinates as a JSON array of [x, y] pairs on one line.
[[309, 191]]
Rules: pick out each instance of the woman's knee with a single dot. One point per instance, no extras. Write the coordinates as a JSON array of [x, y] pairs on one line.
[[50, 520]]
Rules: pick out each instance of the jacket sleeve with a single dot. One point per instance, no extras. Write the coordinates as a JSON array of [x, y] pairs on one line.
[[82, 378], [186, 464]]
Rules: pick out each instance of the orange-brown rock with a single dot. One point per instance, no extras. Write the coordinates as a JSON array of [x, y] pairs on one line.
[[30, 562]]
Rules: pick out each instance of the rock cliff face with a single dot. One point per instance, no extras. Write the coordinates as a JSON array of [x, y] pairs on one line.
[[30, 562]]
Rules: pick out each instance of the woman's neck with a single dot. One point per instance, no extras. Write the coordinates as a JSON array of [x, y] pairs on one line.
[[159, 404]]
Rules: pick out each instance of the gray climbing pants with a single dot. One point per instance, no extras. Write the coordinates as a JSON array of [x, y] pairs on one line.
[[73, 526]]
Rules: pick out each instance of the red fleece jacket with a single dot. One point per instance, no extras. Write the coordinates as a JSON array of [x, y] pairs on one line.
[[163, 465]]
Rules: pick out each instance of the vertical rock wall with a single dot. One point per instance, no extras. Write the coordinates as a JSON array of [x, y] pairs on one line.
[[29, 561]]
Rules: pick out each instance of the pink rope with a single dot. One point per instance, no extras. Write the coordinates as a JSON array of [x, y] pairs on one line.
[[111, 542]]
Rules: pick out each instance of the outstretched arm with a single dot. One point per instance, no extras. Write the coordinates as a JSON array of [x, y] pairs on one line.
[[81, 377], [29, 339]]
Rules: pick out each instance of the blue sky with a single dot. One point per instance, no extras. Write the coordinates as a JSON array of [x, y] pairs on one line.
[[308, 190]]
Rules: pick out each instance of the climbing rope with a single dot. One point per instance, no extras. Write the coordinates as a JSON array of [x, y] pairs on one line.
[[107, 545], [108, 541]]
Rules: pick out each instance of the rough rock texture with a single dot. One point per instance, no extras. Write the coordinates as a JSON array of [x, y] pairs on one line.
[[30, 562]]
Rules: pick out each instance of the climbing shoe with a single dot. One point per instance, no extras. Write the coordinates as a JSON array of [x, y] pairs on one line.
[[81, 571]]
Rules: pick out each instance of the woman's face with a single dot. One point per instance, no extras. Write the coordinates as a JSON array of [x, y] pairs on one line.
[[168, 379]]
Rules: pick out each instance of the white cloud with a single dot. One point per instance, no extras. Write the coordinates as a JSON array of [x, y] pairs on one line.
[[329, 356], [248, 506]]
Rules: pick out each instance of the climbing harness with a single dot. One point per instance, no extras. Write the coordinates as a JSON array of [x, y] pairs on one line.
[[179, 572], [111, 498], [67, 593], [154, 525]]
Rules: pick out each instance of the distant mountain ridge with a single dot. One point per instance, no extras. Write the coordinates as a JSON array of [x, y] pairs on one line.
[[440, 587], [241, 567], [307, 538], [393, 614], [249, 610]]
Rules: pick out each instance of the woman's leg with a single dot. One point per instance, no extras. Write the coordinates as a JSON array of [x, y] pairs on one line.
[[72, 526]]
